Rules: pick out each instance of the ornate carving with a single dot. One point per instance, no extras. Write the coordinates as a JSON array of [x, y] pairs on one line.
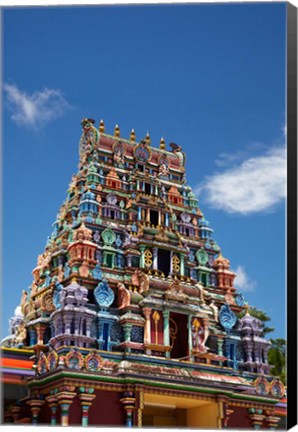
[[141, 280], [148, 258], [202, 257], [53, 359], [262, 386], [119, 153], [74, 360], [47, 302], [142, 152], [240, 300], [42, 364], [108, 236], [93, 362], [229, 298], [227, 318], [23, 300], [123, 296], [277, 389], [175, 292], [214, 309], [176, 264], [161, 235], [199, 333], [104, 295], [201, 292], [21, 334]]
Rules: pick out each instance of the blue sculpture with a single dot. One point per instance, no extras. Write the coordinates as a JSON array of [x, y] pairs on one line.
[[227, 318], [240, 300], [104, 295], [57, 295], [97, 272]]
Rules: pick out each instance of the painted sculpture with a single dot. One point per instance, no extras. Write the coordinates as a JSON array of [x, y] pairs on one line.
[[131, 275]]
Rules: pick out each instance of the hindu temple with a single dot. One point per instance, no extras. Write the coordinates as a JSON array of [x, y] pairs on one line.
[[132, 318]]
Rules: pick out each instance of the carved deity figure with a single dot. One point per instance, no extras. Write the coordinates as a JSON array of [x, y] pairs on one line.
[[202, 292], [214, 309], [23, 300], [163, 170], [141, 280], [123, 296], [200, 333], [21, 334], [33, 288], [119, 157], [198, 337]]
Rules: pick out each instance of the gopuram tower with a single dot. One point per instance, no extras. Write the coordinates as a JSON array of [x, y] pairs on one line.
[[132, 317]]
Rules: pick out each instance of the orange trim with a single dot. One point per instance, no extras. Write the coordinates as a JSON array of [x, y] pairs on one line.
[[15, 363]]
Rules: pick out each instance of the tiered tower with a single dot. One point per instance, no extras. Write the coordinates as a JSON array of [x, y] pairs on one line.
[[132, 283]]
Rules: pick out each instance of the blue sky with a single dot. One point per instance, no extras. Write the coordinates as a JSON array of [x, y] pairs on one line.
[[208, 77]]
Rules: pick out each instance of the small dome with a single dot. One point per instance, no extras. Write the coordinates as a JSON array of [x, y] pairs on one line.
[[204, 223], [221, 262], [88, 196]]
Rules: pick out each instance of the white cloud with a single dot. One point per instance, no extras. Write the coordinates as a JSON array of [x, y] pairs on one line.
[[36, 109], [285, 130], [242, 281], [257, 184]]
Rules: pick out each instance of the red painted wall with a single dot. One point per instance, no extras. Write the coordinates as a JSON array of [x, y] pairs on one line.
[[239, 418], [44, 416], [159, 329], [107, 410], [75, 412]]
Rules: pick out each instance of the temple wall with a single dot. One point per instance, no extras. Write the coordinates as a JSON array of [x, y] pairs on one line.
[[205, 416], [239, 418], [105, 403], [44, 416]]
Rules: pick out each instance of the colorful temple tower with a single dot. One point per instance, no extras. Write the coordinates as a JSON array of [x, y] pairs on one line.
[[132, 317]]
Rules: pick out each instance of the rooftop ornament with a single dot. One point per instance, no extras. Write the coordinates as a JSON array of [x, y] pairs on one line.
[[132, 136], [162, 144], [117, 131], [101, 126]]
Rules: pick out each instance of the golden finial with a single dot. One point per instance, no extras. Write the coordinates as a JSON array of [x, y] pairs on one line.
[[162, 144], [147, 139], [132, 135], [246, 307], [101, 126], [117, 131]]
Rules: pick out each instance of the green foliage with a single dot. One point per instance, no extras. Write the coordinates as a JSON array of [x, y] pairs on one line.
[[277, 358]]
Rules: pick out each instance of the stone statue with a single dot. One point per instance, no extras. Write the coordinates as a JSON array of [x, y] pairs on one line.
[[163, 170], [123, 296], [141, 280], [21, 334], [202, 292], [214, 309], [23, 300]]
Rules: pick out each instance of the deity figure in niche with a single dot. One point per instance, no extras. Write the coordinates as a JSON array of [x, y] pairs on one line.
[[123, 296], [21, 334], [119, 154], [199, 336], [163, 170], [214, 309]]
